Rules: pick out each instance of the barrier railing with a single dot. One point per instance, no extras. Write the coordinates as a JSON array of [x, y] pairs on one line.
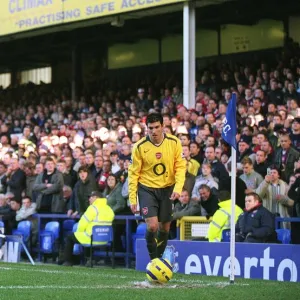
[[128, 255], [278, 220]]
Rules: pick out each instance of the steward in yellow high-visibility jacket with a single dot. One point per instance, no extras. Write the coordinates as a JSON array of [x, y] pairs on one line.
[[98, 213], [221, 218]]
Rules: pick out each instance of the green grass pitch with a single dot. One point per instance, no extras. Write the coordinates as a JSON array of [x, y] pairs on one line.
[[23, 281]]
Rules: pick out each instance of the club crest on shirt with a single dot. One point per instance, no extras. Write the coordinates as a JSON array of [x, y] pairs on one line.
[[145, 210], [158, 155]]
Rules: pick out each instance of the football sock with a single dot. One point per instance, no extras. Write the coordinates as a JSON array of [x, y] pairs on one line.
[[151, 244], [162, 241]]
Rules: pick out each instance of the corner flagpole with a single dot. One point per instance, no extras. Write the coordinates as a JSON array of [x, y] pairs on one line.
[[232, 220], [229, 132]]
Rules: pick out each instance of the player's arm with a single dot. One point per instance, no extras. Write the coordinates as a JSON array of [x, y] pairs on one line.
[[179, 169], [134, 174]]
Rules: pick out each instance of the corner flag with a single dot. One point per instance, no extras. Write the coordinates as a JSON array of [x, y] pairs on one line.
[[229, 135], [229, 129]]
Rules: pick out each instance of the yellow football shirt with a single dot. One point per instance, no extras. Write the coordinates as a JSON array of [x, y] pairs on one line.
[[156, 166]]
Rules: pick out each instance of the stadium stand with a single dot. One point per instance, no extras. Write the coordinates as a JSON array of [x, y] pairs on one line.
[[50, 131]]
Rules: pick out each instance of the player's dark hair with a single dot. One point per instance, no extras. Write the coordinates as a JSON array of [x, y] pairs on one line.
[[154, 117]]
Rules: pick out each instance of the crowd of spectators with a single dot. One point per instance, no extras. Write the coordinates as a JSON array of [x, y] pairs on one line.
[[54, 151]]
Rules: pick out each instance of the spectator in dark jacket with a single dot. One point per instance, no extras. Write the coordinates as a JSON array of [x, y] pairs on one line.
[[49, 188], [285, 157], [294, 193], [86, 184], [29, 168], [208, 200], [14, 180], [218, 169], [256, 224]]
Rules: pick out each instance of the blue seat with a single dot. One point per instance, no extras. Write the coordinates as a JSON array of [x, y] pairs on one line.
[[284, 236], [2, 227], [24, 230], [139, 234], [105, 235], [226, 235], [49, 238], [67, 228], [77, 249]]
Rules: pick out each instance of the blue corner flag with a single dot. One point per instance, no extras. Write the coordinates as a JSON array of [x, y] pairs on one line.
[[229, 128]]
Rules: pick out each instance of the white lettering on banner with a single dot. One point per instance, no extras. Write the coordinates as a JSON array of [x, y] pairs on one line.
[[196, 268], [193, 265], [266, 262], [287, 264], [11, 252], [226, 267], [208, 267], [249, 263], [226, 127]]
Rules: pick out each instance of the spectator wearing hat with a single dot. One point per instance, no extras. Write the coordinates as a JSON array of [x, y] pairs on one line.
[[285, 157], [295, 134], [274, 193], [83, 188]]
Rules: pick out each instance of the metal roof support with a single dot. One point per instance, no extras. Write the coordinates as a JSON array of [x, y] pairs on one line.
[[76, 72], [189, 59]]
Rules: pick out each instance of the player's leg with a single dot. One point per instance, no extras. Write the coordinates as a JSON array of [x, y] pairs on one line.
[[151, 236], [162, 237], [149, 210], [165, 217]]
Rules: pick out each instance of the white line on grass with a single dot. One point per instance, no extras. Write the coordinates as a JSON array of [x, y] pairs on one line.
[[105, 275]]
